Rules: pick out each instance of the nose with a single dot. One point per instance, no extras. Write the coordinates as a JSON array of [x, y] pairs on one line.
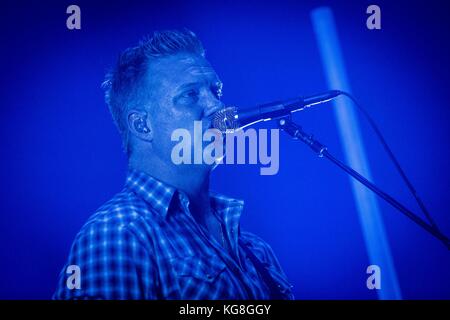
[[212, 105]]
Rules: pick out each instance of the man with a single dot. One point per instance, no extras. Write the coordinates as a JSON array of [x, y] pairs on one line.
[[165, 236]]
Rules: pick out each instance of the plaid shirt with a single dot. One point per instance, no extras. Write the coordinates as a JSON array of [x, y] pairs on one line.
[[145, 244]]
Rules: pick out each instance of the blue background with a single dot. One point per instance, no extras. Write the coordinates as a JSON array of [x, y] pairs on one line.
[[61, 156]]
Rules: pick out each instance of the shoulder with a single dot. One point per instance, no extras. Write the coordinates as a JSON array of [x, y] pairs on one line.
[[124, 208], [121, 217], [108, 250]]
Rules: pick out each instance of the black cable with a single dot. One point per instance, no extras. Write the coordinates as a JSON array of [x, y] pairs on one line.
[[393, 159], [297, 132]]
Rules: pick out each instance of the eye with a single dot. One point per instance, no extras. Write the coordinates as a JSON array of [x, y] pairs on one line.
[[192, 93]]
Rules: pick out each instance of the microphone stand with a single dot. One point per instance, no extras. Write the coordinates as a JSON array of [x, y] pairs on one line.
[[297, 132]]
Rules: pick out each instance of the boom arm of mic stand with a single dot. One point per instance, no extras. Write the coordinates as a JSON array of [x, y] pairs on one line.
[[297, 132]]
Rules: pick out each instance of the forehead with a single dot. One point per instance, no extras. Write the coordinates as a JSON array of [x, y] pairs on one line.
[[182, 68]]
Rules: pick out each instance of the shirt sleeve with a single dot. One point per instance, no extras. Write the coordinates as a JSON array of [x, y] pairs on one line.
[[112, 263]]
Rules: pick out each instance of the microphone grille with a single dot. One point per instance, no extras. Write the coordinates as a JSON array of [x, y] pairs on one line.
[[225, 120]]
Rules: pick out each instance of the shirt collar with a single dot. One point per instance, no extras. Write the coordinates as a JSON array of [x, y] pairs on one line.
[[159, 196], [156, 193]]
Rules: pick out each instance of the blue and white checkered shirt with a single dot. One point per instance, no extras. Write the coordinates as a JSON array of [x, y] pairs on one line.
[[145, 244]]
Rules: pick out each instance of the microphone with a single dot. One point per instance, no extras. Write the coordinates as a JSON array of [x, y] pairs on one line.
[[232, 118]]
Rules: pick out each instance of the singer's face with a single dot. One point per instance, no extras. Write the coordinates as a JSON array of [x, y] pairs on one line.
[[185, 89]]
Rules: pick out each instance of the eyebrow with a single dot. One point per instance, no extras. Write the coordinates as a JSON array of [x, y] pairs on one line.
[[217, 84], [200, 70]]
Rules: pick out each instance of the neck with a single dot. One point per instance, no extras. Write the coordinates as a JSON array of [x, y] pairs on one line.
[[193, 180]]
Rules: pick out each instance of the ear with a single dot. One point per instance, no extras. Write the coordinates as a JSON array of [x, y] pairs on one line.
[[139, 125]]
